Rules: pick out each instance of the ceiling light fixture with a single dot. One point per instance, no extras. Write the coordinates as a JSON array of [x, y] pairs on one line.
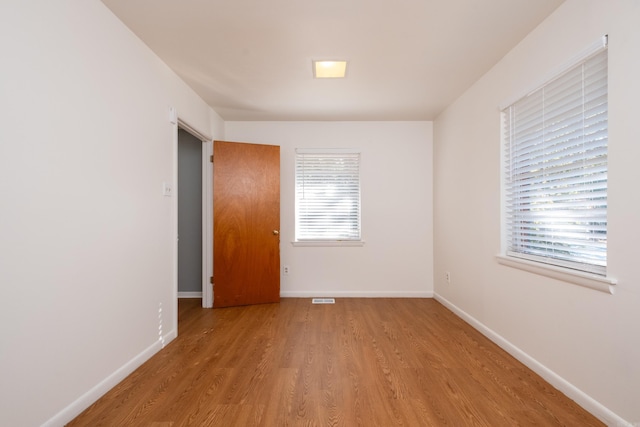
[[329, 69]]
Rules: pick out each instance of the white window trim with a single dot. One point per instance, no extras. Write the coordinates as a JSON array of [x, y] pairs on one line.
[[600, 44], [589, 280], [327, 243]]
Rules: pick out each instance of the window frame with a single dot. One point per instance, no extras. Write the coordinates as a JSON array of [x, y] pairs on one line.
[[334, 240], [599, 281]]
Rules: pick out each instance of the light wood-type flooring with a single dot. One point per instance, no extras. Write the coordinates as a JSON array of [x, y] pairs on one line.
[[359, 362]]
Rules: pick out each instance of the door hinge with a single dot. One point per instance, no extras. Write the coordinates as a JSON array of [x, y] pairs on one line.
[[211, 280], [211, 158]]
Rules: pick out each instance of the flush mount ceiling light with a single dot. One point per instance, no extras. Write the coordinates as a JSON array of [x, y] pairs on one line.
[[329, 69]]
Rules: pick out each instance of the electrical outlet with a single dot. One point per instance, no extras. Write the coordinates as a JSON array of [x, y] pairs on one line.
[[167, 191], [447, 276], [285, 270]]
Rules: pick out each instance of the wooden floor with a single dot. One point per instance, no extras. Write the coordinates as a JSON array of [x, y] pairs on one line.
[[360, 362]]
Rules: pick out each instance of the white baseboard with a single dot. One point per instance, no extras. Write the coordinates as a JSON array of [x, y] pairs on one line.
[[601, 412], [189, 294], [87, 399], [355, 294]]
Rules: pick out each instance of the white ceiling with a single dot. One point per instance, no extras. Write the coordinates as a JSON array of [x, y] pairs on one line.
[[408, 59]]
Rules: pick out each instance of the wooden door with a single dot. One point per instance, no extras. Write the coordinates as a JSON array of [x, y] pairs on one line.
[[246, 224]]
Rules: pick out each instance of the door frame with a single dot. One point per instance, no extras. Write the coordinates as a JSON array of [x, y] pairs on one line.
[[207, 210]]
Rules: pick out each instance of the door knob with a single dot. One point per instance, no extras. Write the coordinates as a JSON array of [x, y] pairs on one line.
[[276, 232]]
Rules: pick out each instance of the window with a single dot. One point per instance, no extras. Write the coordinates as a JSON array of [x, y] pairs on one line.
[[327, 195], [555, 179]]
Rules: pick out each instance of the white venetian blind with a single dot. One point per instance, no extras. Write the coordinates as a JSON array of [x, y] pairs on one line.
[[556, 170], [327, 195]]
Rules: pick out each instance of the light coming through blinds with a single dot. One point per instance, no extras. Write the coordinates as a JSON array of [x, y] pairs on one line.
[[327, 195], [556, 170]]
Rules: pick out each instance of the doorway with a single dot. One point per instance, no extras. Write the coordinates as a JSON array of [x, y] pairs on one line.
[[257, 168], [193, 141]]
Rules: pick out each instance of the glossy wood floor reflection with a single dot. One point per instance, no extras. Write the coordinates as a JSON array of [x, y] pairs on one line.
[[360, 362]]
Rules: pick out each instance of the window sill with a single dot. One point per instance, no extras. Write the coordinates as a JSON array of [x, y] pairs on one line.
[[592, 281], [327, 243]]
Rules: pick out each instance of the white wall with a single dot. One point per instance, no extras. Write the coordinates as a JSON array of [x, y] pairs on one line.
[[396, 174], [87, 239], [576, 336]]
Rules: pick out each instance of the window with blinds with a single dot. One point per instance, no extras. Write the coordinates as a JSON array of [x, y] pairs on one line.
[[556, 170], [327, 195]]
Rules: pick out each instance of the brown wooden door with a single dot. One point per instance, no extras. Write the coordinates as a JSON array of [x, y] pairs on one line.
[[246, 224]]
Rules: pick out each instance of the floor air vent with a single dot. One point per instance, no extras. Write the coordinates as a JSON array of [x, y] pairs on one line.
[[323, 301]]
